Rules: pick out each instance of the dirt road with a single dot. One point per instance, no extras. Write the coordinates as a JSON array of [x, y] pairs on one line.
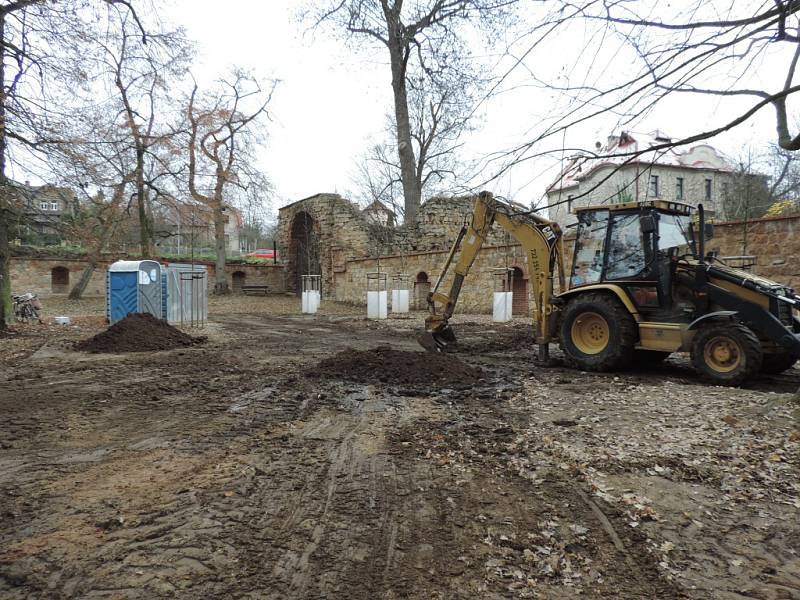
[[224, 471]]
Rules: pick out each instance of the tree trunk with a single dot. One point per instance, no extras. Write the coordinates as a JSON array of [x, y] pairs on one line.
[[76, 293], [412, 194], [6, 308], [221, 281], [145, 229]]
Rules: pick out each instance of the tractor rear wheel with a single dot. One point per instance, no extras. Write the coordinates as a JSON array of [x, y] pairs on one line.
[[778, 363], [726, 353], [597, 332]]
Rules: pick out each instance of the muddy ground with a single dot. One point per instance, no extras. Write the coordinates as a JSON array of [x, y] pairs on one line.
[[225, 470]]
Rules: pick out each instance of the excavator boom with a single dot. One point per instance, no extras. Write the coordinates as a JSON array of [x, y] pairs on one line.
[[541, 240]]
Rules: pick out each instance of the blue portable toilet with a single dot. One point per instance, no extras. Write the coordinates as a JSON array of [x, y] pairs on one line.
[[134, 286]]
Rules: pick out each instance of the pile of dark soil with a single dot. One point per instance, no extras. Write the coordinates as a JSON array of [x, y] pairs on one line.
[[138, 332], [387, 365]]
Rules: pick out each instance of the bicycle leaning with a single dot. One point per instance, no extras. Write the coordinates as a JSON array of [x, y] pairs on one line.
[[27, 307]]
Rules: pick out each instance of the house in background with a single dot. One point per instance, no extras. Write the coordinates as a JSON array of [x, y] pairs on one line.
[[379, 213], [43, 209], [697, 174], [183, 227]]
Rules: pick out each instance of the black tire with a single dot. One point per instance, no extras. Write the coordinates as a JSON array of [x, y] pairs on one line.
[[649, 358], [778, 363], [744, 350], [621, 332]]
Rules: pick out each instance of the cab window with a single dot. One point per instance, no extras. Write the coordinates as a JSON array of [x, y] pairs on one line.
[[589, 247], [675, 231], [626, 258]]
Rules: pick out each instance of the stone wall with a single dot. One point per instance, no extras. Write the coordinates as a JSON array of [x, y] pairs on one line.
[[775, 242], [350, 285], [337, 231], [340, 232], [37, 275]]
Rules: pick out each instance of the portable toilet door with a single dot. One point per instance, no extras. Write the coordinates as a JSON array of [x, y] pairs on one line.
[[134, 286], [150, 299]]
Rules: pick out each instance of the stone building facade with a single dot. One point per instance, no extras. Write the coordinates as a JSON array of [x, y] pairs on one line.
[[699, 174]]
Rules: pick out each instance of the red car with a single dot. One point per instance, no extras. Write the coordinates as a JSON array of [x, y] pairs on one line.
[[263, 253]]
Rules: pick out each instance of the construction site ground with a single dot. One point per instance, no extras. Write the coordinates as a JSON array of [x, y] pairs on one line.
[[237, 468]]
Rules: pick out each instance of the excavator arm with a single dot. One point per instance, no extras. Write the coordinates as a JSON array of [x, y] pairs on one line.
[[541, 240]]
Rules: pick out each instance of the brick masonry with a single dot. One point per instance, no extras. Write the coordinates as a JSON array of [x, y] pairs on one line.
[[37, 275], [476, 294], [775, 242], [343, 237]]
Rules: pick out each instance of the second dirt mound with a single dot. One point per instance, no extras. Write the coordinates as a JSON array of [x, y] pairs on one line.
[[138, 332], [387, 365]]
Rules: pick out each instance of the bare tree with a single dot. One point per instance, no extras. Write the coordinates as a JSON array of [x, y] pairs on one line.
[[440, 112], [223, 130], [35, 38], [637, 54], [140, 73], [422, 38]]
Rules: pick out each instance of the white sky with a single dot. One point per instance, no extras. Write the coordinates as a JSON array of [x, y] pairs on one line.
[[333, 99]]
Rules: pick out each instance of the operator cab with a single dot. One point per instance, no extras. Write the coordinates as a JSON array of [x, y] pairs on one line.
[[634, 245]]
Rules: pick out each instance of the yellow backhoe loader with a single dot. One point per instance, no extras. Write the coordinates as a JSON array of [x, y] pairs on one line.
[[639, 288]]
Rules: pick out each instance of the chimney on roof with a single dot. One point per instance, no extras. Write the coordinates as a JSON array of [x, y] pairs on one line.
[[661, 136], [612, 141]]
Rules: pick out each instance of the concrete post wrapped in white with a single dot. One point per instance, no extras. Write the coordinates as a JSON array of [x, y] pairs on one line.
[[400, 293], [311, 295], [503, 298], [501, 306], [400, 301], [376, 305], [377, 296]]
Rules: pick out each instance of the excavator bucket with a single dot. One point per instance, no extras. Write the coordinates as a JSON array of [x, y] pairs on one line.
[[437, 340]]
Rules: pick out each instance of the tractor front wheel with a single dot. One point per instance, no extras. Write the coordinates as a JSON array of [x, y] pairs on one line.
[[726, 353], [597, 332]]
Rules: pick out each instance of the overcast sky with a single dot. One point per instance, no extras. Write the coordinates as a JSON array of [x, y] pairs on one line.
[[332, 100]]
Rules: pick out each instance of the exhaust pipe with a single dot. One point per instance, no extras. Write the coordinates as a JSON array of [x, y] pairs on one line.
[[701, 242]]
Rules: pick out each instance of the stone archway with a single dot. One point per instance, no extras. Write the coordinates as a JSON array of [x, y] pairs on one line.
[[238, 279], [421, 289], [304, 258], [520, 305], [59, 280]]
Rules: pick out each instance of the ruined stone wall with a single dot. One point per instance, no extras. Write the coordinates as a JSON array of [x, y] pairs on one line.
[[476, 295], [438, 222], [35, 275], [340, 230], [775, 242]]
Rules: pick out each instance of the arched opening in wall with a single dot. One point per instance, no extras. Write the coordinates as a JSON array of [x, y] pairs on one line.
[[303, 250], [519, 306], [421, 289], [59, 280], [238, 279]]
